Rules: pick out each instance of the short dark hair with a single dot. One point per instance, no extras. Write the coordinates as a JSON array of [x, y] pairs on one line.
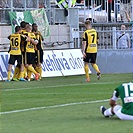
[[22, 24], [88, 22], [26, 23], [34, 24], [17, 28]]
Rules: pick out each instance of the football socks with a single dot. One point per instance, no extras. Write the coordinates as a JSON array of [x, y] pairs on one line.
[[30, 68], [86, 69], [8, 75], [95, 66]]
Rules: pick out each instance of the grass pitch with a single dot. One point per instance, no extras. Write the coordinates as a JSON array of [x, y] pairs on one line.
[[61, 105]]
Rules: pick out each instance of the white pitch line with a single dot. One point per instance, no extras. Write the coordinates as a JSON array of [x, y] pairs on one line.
[[69, 85], [54, 106]]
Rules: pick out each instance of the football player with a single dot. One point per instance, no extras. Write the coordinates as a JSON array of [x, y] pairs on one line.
[[16, 75], [30, 51], [15, 52], [38, 50], [124, 112], [89, 50]]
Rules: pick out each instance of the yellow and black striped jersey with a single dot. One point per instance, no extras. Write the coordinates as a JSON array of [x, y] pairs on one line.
[[29, 47], [23, 31], [23, 42], [15, 43], [91, 38], [39, 38]]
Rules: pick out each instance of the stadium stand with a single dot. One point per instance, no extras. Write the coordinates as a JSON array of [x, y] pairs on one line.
[[56, 17]]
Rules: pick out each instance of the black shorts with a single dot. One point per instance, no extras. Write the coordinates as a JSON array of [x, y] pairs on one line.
[[14, 58], [90, 58], [29, 58], [39, 56]]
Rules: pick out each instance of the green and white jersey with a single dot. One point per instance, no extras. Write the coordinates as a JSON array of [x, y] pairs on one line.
[[125, 92]]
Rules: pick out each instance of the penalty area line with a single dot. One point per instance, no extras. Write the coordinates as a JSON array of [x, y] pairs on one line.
[[54, 106]]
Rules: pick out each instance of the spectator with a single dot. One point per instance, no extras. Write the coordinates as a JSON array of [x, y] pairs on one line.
[[4, 4], [123, 39], [18, 4], [125, 5], [41, 5]]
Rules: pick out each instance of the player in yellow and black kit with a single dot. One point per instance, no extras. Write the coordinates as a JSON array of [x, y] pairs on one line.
[[30, 51], [15, 52], [38, 50], [16, 75], [90, 39]]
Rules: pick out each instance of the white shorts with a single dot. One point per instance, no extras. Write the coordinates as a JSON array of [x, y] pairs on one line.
[[120, 115]]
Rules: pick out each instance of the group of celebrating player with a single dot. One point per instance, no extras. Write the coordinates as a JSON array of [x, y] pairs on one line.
[[25, 48]]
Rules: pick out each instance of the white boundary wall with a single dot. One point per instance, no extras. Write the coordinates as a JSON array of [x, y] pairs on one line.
[[56, 63]]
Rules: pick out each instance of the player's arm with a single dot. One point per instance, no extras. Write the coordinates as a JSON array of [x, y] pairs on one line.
[[9, 37], [84, 41], [113, 99], [10, 45], [23, 40], [34, 41], [40, 36], [83, 48]]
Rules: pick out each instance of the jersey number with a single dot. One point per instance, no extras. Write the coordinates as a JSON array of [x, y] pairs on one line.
[[128, 88], [93, 38], [14, 41]]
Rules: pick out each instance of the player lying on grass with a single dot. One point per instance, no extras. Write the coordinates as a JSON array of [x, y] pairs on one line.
[[124, 112]]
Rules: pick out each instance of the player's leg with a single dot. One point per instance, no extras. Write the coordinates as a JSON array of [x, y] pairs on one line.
[[20, 61], [31, 69], [9, 73], [93, 57], [86, 66], [106, 112], [10, 63], [25, 62], [30, 61], [16, 73], [29, 73], [25, 71], [86, 69], [38, 69], [95, 66], [117, 110], [39, 60]]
